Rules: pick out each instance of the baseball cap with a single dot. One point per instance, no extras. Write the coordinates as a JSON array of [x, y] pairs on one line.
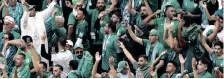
[[78, 46], [121, 66], [153, 32]]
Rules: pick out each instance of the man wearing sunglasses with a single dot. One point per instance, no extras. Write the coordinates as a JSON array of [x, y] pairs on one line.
[[85, 60]]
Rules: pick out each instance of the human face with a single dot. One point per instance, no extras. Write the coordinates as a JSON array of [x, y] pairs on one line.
[[8, 26], [32, 12], [79, 52], [170, 68], [170, 12], [68, 47], [12, 2], [80, 15], [218, 50], [141, 62], [106, 29], [42, 68], [100, 5], [5, 38], [19, 60], [56, 72], [115, 18], [201, 67], [153, 38], [143, 11]]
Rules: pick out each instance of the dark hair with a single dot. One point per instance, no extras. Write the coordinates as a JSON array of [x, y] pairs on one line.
[[60, 67], [10, 35], [204, 61], [44, 64], [112, 26], [25, 37], [73, 64], [118, 14], [84, 11], [187, 21], [219, 43], [62, 41], [23, 55], [144, 56], [166, 8], [173, 62]]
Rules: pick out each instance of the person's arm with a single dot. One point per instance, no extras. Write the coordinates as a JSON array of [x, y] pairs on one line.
[[3, 68], [71, 22], [112, 69], [214, 34], [113, 6], [206, 46], [47, 12], [148, 18], [25, 16], [157, 60], [6, 11], [94, 71], [180, 37], [148, 9], [194, 63], [127, 53], [133, 36], [43, 50], [182, 61], [35, 58], [130, 9], [210, 18]]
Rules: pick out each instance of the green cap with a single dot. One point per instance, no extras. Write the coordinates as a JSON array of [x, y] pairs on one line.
[[78, 46], [210, 31], [31, 7], [2, 60], [153, 32], [121, 66], [58, 9]]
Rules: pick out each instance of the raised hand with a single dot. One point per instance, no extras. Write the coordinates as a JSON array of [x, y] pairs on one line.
[[152, 72], [202, 4], [181, 59], [121, 45], [102, 14], [43, 37], [68, 4], [97, 56], [194, 63], [164, 52], [111, 60], [158, 11]]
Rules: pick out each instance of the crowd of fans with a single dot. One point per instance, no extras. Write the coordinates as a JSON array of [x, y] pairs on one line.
[[112, 39]]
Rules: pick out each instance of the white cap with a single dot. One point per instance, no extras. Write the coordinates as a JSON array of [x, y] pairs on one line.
[[69, 42]]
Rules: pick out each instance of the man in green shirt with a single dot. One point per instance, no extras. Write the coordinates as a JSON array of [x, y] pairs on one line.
[[117, 18], [200, 72], [43, 73], [57, 71], [171, 69], [140, 18], [85, 60], [163, 22], [142, 67], [20, 70], [81, 30], [216, 54], [110, 46], [74, 73], [153, 48], [173, 3]]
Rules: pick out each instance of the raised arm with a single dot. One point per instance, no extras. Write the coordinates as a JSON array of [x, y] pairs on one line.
[[130, 9], [35, 58], [149, 17], [214, 34], [182, 61], [210, 50], [112, 69], [133, 36], [127, 53], [210, 18], [170, 40], [180, 37], [194, 63], [157, 60], [47, 12], [94, 71]]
